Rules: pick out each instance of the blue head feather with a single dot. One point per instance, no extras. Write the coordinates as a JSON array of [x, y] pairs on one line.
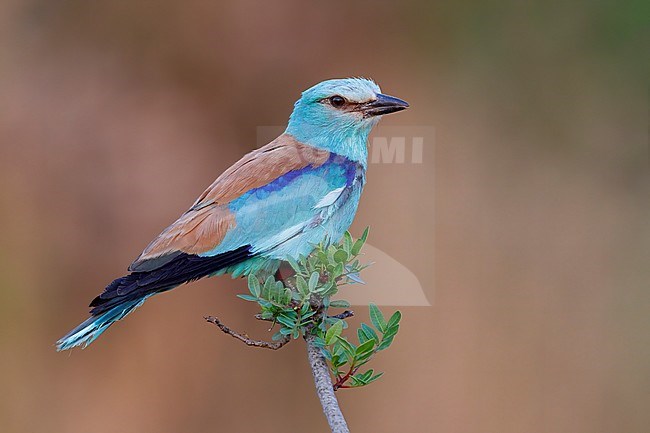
[[319, 124]]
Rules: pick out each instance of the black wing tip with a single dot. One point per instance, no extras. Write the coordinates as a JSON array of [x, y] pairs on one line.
[[181, 268]]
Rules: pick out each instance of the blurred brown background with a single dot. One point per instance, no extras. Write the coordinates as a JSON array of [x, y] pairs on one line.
[[527, 223]]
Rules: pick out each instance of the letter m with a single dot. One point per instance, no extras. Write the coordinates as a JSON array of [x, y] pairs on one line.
[[386, 152]]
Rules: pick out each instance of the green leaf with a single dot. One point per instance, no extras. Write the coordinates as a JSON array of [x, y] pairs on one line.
[[248, 297], [326, 289], [286, 320], [370, 332], [341, 256], [319, 342], [390, 332], [330, 256], [347, 347], [302, 286], [293, 264], [394, 319], [333, 332], [375, 377], [364, 349], [356, 248], [377, 318], [363, 337], [385, 344], [338, 270], [313, 281], [333, 320], [339, 303], [322, 256], [254, 285], [347, 241], [339, 360], [364, 236], [287, 296], [361, 379], [365, 376], [267, 288], [306, 318]]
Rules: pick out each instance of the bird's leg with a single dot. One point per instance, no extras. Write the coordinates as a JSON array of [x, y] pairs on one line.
[[246, 339]]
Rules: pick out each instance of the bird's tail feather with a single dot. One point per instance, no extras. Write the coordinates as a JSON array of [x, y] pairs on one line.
[[127, 293], [91, 328]]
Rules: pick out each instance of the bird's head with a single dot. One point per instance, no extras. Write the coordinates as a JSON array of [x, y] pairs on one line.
[[338, 115]]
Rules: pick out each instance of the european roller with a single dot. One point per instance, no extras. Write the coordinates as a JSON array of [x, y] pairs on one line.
[[278, 201]]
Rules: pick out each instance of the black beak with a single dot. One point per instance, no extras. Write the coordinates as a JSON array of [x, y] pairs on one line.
[[384, 104]]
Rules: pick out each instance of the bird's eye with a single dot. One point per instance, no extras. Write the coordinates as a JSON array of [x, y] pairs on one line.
[[337, 101]]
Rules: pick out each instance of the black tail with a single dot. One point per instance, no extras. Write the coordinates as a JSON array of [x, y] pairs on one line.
[[126, 293]]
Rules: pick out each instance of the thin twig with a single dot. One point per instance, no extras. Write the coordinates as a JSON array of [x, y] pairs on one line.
[[340, 383], [343, 315], [245, 339], [324, 388]]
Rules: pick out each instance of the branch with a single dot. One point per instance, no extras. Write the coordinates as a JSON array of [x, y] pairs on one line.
[[340, 383], [245, 339], [343, 315], [324, 388]]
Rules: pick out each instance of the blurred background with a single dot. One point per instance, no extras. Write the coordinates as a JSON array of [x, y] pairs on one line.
[[526, 223]]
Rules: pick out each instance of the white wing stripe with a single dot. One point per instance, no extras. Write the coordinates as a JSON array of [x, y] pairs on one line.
[[329, 198]]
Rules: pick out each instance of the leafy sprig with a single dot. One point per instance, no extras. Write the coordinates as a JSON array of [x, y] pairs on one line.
[[346, 358], [299, 305]]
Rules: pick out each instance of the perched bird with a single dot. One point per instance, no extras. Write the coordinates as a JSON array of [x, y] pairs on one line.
[[276, 202]]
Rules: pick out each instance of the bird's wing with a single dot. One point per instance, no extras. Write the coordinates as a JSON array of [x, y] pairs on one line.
[[221, 208], [294, 212]]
